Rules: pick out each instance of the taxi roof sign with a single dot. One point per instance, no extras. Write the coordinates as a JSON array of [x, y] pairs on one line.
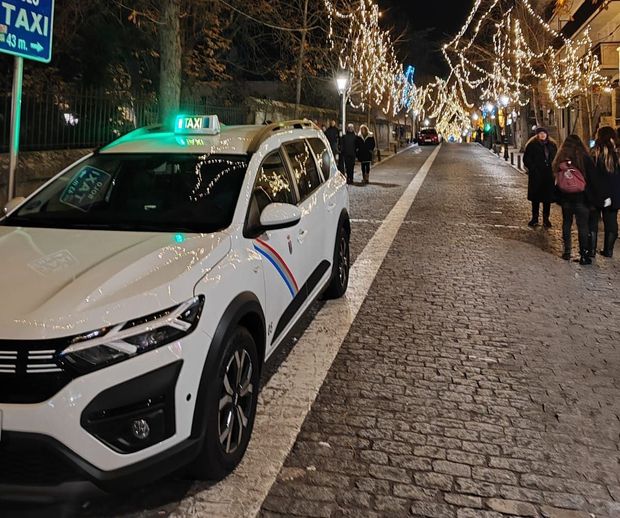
[[197, 125]]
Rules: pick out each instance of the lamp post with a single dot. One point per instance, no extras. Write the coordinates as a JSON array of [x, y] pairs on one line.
[[342, 82], [503, 101]]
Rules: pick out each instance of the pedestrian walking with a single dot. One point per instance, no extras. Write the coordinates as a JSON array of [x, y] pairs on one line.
[[574, 169], [538, 157], [333, 134], [607, 187], [348, 149], [365, 149]]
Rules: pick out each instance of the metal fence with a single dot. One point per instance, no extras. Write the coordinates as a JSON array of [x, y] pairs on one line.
[[90, 119]]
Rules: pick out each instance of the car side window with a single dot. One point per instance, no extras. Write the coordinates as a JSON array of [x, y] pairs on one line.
[[273, 185], [303, 167], [323, 158]]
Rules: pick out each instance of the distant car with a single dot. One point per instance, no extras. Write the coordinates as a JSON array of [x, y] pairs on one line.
[[146, 286], [428, 136]]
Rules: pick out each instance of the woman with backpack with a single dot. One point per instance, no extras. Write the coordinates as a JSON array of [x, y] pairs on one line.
[[573, 169], [606, 191]]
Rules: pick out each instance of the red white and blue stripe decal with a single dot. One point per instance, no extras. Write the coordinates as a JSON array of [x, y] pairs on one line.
[[278, 263]]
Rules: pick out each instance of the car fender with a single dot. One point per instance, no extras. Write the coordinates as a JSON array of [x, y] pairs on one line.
[[243, 306]]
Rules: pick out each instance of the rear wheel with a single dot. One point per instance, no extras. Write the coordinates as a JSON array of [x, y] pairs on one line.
[[340, 270], [231, 407]]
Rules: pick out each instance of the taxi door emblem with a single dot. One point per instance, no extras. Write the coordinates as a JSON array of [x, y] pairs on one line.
[[290, 244]]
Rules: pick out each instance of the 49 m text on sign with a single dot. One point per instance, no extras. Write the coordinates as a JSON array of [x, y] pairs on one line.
[[26, 28]]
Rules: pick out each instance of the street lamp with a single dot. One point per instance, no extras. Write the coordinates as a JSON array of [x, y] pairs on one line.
[[427, 122], [504, 100], [342, 82]]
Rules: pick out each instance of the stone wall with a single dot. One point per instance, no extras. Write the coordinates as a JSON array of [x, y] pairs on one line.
[[34, 168]]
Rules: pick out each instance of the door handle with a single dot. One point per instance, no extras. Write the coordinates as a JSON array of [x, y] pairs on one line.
[[302, 235], [331, 206]]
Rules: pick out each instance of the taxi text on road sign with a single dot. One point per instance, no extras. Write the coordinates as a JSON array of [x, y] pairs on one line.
[[26, 28]]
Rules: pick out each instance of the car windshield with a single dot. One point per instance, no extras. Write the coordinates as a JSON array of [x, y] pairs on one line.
[[155, 192]]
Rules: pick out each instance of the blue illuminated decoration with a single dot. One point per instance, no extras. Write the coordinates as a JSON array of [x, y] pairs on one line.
[[406, 98], [179, 238]]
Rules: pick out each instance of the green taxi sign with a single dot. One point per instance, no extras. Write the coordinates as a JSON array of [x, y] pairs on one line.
[[197, 125]]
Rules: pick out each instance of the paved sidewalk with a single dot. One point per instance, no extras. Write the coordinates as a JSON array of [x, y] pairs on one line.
[[481, 377]]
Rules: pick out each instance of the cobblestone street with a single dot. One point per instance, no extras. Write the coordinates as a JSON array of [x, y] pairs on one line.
[[479, 379], [481, 376]]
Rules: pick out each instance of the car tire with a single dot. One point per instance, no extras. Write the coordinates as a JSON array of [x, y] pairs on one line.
[[231, 398], [340, 271]]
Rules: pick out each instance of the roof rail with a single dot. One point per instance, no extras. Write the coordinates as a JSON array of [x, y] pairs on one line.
[[270, 129]]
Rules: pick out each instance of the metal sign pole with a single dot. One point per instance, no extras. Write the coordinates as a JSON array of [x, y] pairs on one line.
[[16, 108]]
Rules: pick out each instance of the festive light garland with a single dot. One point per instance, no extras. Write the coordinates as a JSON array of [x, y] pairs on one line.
[[514, 64], [377, 77]]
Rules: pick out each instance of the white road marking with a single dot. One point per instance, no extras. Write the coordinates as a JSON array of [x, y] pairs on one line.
[[373, 221], [286, 399]]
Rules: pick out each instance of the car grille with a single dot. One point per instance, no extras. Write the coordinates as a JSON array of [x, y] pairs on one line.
[[29, 371]]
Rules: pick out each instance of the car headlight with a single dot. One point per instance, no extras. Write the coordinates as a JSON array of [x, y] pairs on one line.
[[103, 347]]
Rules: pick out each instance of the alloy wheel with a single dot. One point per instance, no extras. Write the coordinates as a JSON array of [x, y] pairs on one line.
[[235, 401]]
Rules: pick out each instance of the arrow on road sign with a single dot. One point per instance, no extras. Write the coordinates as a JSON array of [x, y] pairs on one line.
[[36, 46]]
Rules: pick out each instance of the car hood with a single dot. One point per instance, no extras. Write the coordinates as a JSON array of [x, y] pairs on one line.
[[58, 282]]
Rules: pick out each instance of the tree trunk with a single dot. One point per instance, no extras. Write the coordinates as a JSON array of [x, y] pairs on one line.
[[589, 115], [535, 104], [300, 62], [169, 60]]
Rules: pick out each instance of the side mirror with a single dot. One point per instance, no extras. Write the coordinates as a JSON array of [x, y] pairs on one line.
[[279, 215], [13, 203]]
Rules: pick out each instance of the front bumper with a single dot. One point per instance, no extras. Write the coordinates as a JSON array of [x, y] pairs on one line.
[[38, 465], [84, 431]]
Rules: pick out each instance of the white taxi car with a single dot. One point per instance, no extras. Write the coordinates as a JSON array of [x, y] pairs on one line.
[[144, 287]]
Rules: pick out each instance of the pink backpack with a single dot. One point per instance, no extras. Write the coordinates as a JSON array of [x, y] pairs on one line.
[[569, 179]]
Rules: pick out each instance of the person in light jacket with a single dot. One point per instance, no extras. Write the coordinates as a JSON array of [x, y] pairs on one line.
[[365, 149]]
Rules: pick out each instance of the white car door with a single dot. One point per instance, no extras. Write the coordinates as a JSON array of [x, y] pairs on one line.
[[282, 265], [311, 237]]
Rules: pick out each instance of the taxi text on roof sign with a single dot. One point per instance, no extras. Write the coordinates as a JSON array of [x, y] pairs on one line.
[[26, 28], [197, 124]]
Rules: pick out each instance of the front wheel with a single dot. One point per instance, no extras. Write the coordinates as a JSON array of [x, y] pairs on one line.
[[340, 270], [231, 400]]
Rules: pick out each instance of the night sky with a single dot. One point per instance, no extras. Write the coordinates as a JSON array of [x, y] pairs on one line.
[[424, 25]]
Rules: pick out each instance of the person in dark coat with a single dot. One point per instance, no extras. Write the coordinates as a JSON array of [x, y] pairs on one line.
[[607, 187], [333, 134], [538, 157], [348, 149], [365, 149], [573, 154]]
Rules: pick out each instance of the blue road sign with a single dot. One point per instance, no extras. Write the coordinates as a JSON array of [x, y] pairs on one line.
[[26, 28]]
